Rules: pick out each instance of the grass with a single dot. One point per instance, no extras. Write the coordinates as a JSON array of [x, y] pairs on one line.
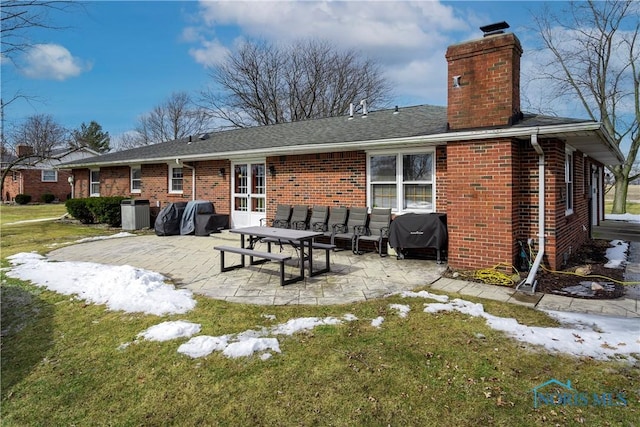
[[24, 229], [632, 208], [61, 365]]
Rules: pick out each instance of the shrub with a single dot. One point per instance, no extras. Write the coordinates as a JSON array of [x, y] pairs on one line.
[[104, 210], [107, 210], [23, 199], [48, 197], [79, 209]]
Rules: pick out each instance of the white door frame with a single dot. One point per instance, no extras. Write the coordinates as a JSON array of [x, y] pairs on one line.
[[248, 192], [597, 208]]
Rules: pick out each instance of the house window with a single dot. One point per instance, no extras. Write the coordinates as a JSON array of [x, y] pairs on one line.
[[175, 179], [95, 183], [50, 175], [568, 182], [136, 179], [14, 176], [401, 181]]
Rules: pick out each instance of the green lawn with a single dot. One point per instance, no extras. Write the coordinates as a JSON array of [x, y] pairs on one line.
[[632, 208], [13, 213], [26, 229], [62, 364]]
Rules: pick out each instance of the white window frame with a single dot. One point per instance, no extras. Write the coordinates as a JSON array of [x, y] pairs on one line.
[[133, 181], [399, 182], [93, 183], [569, 177], [172, 180], [43, 176]]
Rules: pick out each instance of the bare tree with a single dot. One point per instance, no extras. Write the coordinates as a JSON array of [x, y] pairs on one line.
[[175, 118], [40, 134], [595, 60], [264, 84], [19, 17]]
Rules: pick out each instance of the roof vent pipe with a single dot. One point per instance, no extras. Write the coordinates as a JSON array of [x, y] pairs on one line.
[[351, 110], [364, 108]]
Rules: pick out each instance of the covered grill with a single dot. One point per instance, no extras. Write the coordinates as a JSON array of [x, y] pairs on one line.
[[419, 231]]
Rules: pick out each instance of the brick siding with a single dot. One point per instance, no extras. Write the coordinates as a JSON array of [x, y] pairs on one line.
[[29, 181], [489, 91]]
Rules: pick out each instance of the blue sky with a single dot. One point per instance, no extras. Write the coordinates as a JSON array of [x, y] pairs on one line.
[[117, 60]]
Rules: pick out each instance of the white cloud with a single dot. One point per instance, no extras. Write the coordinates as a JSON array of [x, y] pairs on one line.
[[52, 62], [210, 53], [406, 38]]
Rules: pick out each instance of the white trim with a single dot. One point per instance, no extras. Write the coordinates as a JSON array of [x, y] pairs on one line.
[[55, 175], [92, 182], [433, 140], [131, 189], [569, 180], [399, 182], [170, 189]]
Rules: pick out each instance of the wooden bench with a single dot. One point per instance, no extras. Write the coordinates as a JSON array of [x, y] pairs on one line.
[[327, 247], [251, 253]]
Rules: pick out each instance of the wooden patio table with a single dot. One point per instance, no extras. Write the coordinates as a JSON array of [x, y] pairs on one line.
[[303, 239]]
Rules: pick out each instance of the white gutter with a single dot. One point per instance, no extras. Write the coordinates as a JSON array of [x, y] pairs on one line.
[[193, 177], [530, 283], [437, 139]]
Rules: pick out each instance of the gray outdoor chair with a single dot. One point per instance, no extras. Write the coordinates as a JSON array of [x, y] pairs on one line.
[[299, 216], [337, 218], [357, 221], [281, 219], [319, 216], [377, 230]]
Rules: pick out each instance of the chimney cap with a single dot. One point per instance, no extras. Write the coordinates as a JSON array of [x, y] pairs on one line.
[[497, 28]]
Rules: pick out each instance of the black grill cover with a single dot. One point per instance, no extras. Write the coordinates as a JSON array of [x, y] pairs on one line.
[[410, 231], [210, 223], [168, 219]]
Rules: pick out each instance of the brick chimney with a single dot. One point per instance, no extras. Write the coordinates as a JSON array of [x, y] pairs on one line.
[[24, 150], [484, 82]]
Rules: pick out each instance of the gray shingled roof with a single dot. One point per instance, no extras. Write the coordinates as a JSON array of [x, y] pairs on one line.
[[416, 121]]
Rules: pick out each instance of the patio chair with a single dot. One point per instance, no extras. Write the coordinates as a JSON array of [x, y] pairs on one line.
[[357, 223], [377, 231], [281, 219], [337, 218], [319, 216], [299, 217]]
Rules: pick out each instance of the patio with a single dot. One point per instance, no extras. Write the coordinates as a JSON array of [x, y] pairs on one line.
[[190, 262]]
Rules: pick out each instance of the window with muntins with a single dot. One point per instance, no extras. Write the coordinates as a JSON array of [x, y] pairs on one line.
[[568, 182], [175, 180], [50, 175], [95, 183], [401, 181], [136, 179]]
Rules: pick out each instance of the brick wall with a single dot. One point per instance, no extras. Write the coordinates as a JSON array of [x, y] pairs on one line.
[[115, 181], [489, 90], [480, 209], [29, 181], [330, 179]]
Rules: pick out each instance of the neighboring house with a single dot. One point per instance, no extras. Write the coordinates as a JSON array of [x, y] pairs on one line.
[[35, 177], [479, 160]]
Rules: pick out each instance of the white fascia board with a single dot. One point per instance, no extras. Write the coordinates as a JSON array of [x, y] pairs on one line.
[[432, 140]]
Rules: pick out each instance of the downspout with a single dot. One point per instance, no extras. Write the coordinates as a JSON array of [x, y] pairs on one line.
[[193, 177], [529, 285]]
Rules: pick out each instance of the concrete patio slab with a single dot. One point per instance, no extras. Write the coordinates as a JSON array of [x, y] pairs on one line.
[[191, 262]]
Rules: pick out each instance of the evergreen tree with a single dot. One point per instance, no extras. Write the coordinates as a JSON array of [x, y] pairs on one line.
[[92, 137]]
